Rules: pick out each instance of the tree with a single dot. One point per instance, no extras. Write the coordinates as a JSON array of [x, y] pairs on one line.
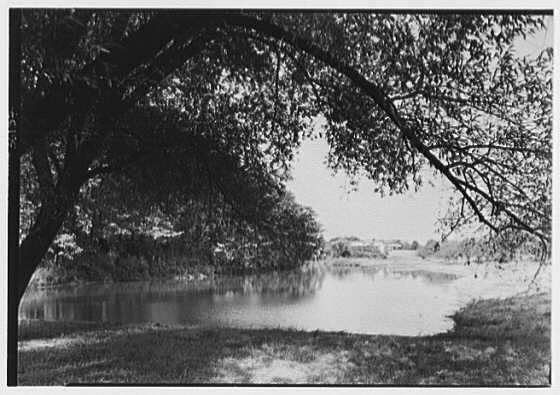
[[457, 100], [100, 142]]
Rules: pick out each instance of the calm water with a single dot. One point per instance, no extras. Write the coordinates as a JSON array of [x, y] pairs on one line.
[[364, 300]]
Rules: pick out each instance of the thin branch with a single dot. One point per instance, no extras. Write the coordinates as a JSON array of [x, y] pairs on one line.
[[40, 161], [405, 96], [491, 146]]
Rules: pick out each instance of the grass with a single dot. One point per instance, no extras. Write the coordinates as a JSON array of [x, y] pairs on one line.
[[495, 342]]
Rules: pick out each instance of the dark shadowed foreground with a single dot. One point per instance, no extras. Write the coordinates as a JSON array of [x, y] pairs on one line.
[[495, 342]]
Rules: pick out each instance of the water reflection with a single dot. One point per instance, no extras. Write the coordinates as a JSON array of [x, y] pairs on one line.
[[357, 299], [381, 272]]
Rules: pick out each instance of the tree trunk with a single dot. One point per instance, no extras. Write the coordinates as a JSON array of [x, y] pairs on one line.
[[36, 244], [56, 203]]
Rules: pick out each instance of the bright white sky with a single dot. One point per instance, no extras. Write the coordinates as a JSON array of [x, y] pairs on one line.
[[363, 213], [412, 216]]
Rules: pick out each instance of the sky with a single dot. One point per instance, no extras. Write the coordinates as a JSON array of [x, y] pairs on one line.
[[364, 213]]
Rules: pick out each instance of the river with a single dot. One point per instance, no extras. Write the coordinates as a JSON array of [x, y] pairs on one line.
[[389, 298]]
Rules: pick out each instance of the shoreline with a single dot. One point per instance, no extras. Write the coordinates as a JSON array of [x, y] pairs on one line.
[[493, 342]]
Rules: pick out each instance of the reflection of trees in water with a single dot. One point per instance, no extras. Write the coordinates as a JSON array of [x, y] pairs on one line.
[[299, 280], [99, 301], [55, 309], [342, 272], [295, 283], [107, 301], [428, 276], [386, 272]]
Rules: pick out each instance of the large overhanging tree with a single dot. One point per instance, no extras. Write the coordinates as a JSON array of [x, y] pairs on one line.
[[399, 93]]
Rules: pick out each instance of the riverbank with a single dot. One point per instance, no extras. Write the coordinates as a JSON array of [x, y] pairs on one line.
[[52, 277], [494, 342], [488, 279]]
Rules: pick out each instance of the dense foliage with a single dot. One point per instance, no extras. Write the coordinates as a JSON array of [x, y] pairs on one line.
[[116, 234], [177, 103]]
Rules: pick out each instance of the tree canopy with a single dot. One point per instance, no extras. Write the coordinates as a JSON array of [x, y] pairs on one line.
[[145, 94]]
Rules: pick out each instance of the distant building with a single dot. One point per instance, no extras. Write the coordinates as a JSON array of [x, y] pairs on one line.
[[395, 245], [386, 246], [381, 246], [357, 243]]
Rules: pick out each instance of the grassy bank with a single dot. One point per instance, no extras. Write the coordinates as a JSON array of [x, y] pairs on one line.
[[495, 342]]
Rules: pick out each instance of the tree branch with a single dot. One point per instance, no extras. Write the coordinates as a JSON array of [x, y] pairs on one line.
[[42, 167]]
